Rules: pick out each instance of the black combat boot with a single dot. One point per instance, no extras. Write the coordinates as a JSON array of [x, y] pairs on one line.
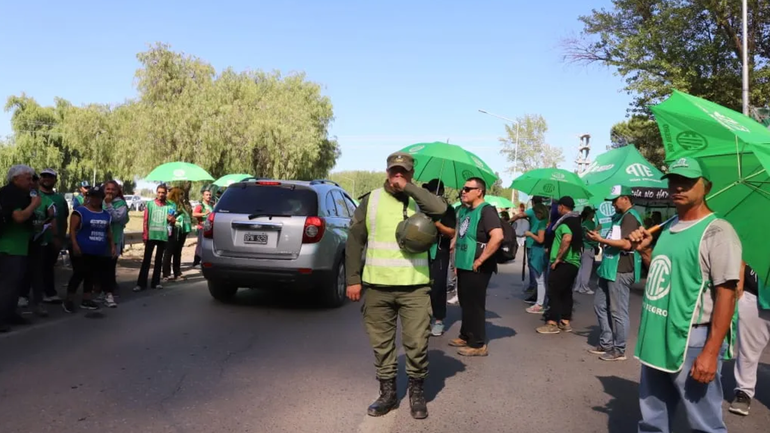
[[388, 399], [419, 407]]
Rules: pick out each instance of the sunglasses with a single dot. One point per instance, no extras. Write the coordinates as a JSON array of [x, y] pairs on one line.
[[469, 188]]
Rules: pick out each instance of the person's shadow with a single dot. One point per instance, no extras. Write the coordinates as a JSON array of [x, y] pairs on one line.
[[441, 367], [623, 409]]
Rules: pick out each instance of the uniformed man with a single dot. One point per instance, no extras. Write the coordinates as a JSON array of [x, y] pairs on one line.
[[398, 281], [688, 307]]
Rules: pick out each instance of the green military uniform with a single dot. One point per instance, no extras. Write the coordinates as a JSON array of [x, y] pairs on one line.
[[397, 282]]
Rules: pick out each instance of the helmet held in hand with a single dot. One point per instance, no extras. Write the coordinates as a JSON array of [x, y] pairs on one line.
[[416, 234]]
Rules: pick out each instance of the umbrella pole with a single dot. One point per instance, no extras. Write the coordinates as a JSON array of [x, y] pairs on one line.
[[735, 183]]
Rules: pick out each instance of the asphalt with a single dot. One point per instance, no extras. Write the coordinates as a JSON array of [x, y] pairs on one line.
[[175, 360]]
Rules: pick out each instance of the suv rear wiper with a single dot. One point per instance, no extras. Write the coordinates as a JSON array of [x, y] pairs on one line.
[[269, 215]]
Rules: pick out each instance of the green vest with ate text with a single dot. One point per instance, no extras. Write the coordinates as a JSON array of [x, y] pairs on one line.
[[157, 222]]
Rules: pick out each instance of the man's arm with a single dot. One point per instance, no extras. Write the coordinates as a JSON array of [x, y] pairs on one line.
[[145, 227], [446, 226], [430, 204], [491, 223], [627, 226], [564, 246], [354, 247]]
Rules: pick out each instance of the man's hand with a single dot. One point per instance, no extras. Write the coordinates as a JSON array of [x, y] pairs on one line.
[[398, 184], [704, 369], [555, 264], [36, 200], [113, 251], [108, 198], [354, 292], [641, 239], [477, 264], [593, 235]]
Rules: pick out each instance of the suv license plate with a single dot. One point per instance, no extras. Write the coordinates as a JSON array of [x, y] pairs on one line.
[[255, 238]]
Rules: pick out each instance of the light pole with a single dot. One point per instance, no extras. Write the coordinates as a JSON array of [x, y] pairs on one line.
[[745, 58], [515, 145]]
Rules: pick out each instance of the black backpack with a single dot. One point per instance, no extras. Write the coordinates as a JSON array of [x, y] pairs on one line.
[[507, 250]]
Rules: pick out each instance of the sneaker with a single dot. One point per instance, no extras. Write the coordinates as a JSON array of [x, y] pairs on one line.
[[88, 304], [138, 288], [471, 351], [454, 301], [23, 302], [55, 299], [458, 342], [68, 306], [588, 292], [100, 297], [548, 328], [598, 350], [159, 286], [613, 355], [741, 404], [109, 301], [531, 300], [438, 329], [535, 309], [40, 311], [566, 327]]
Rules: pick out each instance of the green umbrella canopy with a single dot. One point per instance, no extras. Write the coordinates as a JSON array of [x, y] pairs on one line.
[[178, 171], [229, 179], [624, 166], [736, 152], [450, 163], [552, 182], [496, 201]]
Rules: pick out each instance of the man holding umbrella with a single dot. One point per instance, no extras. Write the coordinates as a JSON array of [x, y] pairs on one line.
[[688, 306], [620, 268]]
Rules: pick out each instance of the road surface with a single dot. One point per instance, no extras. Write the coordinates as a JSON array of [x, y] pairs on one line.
[[177, 361]]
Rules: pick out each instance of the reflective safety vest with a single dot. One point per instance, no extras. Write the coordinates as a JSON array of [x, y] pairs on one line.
[[386, 263]]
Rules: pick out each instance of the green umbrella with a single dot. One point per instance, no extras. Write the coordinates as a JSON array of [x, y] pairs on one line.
[[736, 152], [229, 179], [450, 163], [625, 166], [178, 171], [551, 182], [496, 201]]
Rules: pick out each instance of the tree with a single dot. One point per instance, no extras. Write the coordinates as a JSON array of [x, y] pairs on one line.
[[690, 45], [533, 152], [357, 182], [642, 132]]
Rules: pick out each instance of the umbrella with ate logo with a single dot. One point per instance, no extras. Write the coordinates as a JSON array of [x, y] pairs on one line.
[[552, 182]]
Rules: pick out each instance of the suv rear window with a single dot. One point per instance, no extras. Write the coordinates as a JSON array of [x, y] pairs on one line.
[[268, 200]]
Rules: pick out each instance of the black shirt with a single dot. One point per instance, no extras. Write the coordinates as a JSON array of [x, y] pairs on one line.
[[449, 219], [750, 281], [11, 199]]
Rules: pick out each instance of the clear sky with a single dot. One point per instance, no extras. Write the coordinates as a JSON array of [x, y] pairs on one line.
[[398, 72]]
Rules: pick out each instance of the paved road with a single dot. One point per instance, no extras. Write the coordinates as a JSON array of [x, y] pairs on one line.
[[176, 361]]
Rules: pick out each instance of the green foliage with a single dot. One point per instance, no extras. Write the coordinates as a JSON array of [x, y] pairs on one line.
[[533, 152], [642, 132], [692, 45], [255, 122]]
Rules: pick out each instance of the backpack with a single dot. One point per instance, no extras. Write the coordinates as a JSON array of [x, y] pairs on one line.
[[507, 250]]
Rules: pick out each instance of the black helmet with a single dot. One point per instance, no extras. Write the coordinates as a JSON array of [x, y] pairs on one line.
[[416, 234]]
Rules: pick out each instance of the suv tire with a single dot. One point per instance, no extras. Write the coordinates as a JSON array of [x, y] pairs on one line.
[[334, 291], [222, 292]]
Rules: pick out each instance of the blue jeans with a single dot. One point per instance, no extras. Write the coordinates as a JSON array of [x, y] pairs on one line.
[[612, 297], [661, 392]]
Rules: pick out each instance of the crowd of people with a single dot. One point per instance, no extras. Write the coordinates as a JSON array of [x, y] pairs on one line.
[[695, 279], [37, 226]]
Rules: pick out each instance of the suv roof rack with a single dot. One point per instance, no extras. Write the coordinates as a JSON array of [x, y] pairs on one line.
[[317, 181]]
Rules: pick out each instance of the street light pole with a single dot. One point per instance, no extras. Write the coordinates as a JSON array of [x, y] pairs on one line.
[[745, 58], [516, 144]]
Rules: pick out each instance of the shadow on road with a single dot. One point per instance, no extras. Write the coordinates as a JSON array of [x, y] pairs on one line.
[[496, 332], [590, 333], [442, 367], [623, 410]]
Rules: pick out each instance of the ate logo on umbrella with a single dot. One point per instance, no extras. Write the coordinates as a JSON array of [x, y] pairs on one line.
[[416, 149], [178, 173], [557, 176]]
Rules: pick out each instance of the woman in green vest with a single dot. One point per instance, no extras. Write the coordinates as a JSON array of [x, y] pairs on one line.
[[178, 234], [115, 205], [688, 307]]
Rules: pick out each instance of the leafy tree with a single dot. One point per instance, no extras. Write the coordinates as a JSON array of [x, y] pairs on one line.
[[533, 151], [692, 45], [642, 132]]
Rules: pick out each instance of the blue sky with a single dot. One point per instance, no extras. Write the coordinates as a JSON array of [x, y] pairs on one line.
[[397, 72]]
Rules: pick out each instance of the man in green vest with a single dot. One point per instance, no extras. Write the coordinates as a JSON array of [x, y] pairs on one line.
[[688, 307], [48, 179], [158, 215], [620, 268], [397, 282]]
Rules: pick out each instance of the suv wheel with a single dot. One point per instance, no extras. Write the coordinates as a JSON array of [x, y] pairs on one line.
[[222, 292], [335, 290]]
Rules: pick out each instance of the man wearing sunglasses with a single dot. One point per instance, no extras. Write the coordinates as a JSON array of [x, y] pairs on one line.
[[397, 281], [479, 235]]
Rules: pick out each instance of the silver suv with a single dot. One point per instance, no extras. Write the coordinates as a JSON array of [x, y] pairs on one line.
[[269, 233]]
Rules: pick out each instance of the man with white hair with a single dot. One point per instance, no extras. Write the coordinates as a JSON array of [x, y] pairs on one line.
[[17, 206]]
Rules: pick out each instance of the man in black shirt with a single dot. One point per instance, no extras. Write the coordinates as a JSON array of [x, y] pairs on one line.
[[753, 338], [439, 259]]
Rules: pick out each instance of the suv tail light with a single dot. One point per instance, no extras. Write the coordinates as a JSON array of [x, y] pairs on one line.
[[208, 226], [314, 230]]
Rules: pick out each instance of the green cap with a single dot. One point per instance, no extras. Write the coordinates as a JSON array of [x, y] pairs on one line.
[[687, 167], [619, 191], [401, 159]]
